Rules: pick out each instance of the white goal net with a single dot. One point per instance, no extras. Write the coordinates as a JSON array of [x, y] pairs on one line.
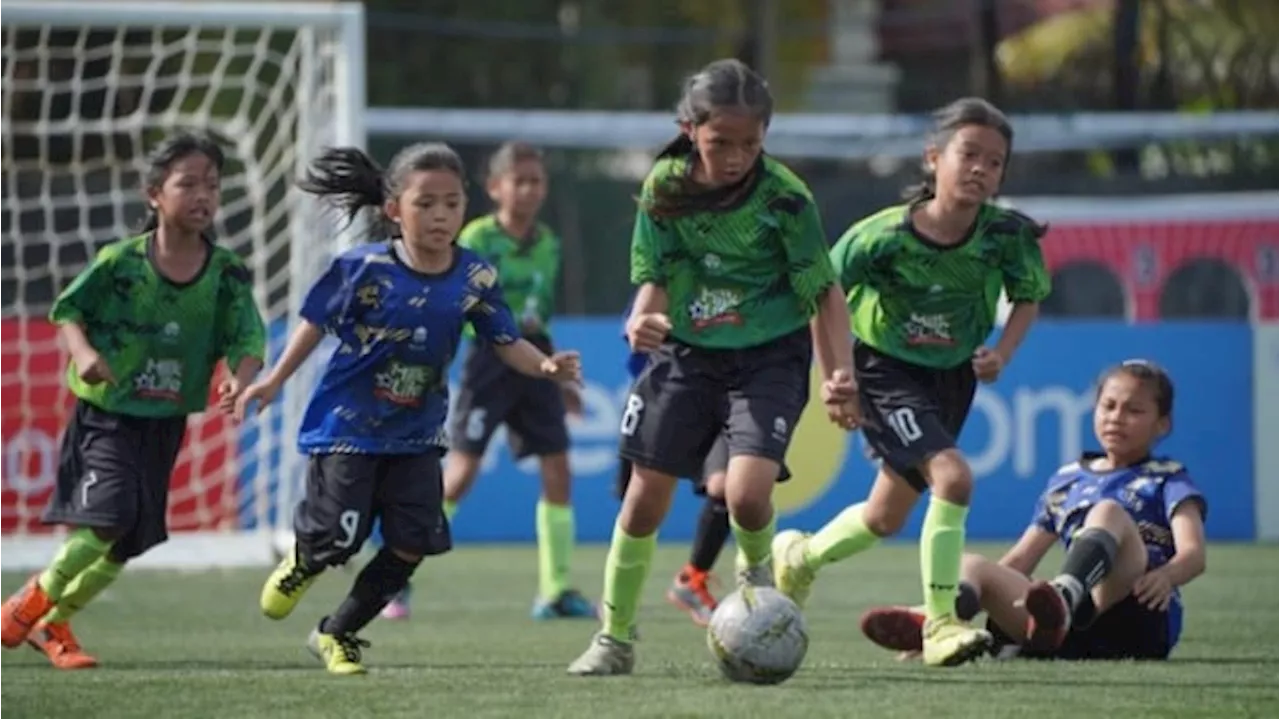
[[89, 88]]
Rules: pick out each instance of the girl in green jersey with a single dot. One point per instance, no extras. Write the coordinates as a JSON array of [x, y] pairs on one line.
[[145, 326], [924, 280], [731, 262]]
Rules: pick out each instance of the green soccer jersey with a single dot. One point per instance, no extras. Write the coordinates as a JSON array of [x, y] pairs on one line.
[[162, 340], [528, 269], [741, 276], [929, 304]]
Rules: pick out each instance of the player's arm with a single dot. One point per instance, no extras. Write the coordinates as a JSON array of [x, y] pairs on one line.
[[1026, 283], [243, 335], [649, 322], [1189, 557], [72, 311], [493, 322], [1027, 553], [324, 308]]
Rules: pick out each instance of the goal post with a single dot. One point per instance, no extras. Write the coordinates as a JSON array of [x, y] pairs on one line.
[[89, 88]]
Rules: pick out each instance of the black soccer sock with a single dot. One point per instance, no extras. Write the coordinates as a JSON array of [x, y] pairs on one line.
[[380, 580], [1088, 562], [711, 535], [968, 603]]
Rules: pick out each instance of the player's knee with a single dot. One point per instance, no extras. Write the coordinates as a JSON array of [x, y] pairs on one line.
[[646, 502], [883, 521], [950, 477], [973, 567], [715, 485], [1110, 515], [460, 472], [407, 556]]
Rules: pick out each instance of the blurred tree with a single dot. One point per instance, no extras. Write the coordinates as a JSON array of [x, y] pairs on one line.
[[1191, 54]]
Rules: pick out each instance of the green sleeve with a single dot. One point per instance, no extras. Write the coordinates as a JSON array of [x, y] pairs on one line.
[[472, 238], [648, 241], [551, 277], [851, 259], [808, 266], [85, 293], [242, 333], [1026, 279]]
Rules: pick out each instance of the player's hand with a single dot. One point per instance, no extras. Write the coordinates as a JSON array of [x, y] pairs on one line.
[[93, 369], [263, 392], [228, 390], [563, 367], [987, 365], [1154, 590], [840, 396], [572, 399], [646, 332]]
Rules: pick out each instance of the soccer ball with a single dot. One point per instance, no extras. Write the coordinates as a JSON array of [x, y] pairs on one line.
[[758, 636]]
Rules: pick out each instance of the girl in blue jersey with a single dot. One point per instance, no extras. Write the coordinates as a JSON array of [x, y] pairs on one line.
[[374, 430], [1133, 527]]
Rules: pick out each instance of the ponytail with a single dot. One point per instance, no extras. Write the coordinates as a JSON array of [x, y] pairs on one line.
[[348, 179]]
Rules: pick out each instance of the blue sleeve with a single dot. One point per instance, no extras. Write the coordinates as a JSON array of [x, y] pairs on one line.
[[489, 314], [327, 302], [1041, 517], [1178, 489]]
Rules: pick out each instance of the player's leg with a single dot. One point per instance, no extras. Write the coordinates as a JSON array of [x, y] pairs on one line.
[[984, 585], [689, 590], [330, 526], [485, 400], [399, 607], [798, 558], [669, 423], [1106, 558], [536, 427], [408, 496], [770, 393], [98, 494]]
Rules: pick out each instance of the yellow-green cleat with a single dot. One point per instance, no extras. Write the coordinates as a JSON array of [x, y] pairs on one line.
[[285, 587], [949, 642], [339, 652], [792, 574]]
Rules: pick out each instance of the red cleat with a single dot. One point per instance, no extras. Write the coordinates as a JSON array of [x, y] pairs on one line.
[[1048, 617], [56, 641], [900, 629]]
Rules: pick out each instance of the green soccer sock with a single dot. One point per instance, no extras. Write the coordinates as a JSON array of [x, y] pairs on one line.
[[624, 573], [555, 546], [844, 536], [450, 508], [755, 545], [941, 549], [87, 585], [81, 549]]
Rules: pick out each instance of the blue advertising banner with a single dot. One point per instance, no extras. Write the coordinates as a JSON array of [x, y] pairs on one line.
[[1035, 419]]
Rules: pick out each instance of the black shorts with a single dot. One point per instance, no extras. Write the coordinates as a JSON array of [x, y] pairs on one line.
[[493, 394], [113, 474], [912, 412], [716, 462], [347, 492], [686, 397], [1127, 630]]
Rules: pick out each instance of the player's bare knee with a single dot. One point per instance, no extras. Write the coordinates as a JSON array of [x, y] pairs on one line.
[[950, 477], [556, 480], [1110, 515], [715, 484], [646, 503], [883, 521], [460, 472]]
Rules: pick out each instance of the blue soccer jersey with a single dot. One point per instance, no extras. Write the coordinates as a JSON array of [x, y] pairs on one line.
[[385, 388], [1150, 492]]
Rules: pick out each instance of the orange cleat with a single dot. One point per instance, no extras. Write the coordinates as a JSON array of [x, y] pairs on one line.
[[57, 642], [21, 611], [689, 592]]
